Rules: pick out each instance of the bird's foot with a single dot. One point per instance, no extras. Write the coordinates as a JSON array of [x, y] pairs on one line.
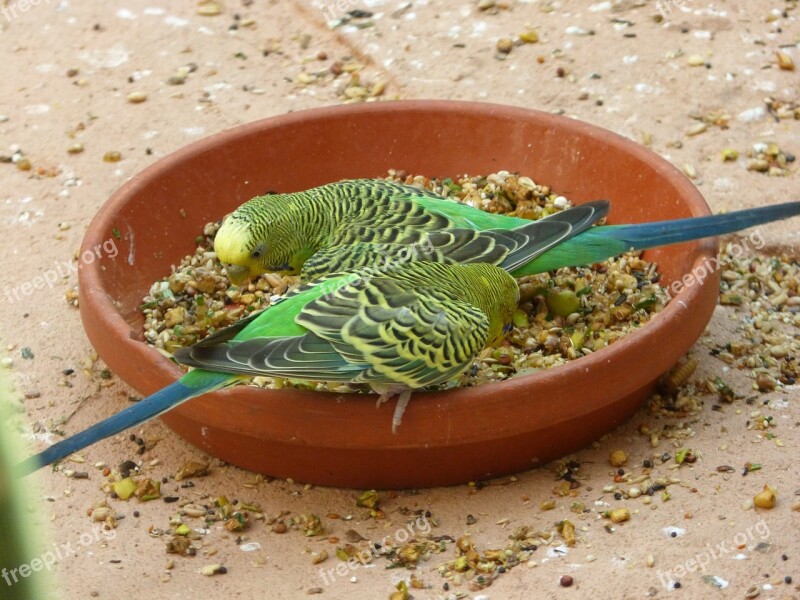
[[403, 396], [402, 402]]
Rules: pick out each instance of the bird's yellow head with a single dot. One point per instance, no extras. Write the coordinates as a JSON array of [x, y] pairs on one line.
[[498, 294], [233, 247], [490, 289], [502, 322], [261, 236]]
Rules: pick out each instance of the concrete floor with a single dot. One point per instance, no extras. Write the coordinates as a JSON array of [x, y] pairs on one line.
[[68, 69]]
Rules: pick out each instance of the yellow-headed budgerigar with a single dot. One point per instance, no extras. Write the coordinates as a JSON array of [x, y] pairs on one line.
[[372, 219], [419, 325]]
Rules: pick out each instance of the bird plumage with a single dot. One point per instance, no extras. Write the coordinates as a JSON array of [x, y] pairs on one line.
[[359, 223], [418, 325]]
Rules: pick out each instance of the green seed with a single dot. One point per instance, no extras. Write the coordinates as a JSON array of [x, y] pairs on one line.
[[520, 319], [563, 303], [729, 155], [124, 488]]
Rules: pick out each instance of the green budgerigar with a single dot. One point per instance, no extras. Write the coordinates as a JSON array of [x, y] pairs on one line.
[[420, 325], [358, 223]]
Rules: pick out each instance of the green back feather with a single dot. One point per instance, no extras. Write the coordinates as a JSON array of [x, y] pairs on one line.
[[278, 320], [591, 246], [467, 217]]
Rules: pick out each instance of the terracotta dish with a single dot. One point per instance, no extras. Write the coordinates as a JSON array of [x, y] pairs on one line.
[[446, 437]]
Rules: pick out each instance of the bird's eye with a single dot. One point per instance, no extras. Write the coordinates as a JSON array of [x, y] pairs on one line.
[[257, 252]]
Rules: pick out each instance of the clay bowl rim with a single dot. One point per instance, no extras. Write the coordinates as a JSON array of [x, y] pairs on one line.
[[95, 303]]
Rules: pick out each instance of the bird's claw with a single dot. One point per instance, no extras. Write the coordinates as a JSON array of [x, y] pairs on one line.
[[403, 397]]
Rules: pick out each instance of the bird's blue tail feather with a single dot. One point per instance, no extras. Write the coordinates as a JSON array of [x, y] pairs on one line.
[[661, 233], [191, 385], [599, 243]]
